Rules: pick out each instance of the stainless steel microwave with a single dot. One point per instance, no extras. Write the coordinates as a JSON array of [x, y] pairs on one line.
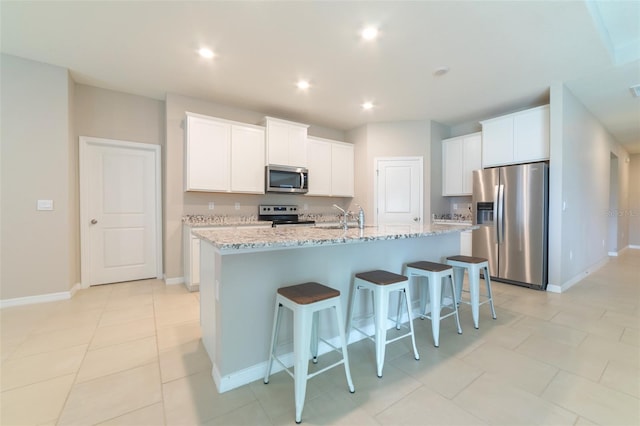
[[287, 179]]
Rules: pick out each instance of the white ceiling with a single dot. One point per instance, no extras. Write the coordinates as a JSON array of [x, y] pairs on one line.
[[502, 56]]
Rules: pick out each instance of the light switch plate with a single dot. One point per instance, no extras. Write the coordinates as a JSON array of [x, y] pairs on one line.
[[45, 205]]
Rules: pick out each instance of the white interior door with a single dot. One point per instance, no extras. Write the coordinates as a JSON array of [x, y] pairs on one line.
[[120, 211], [398, 191]]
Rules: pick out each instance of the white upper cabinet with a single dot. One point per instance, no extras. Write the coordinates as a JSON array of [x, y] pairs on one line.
[[331, 168], [319, 165], [247, 159], [460, 157], [342, 169], [223, 155], [286, 142], [521, 137], [207, 153]]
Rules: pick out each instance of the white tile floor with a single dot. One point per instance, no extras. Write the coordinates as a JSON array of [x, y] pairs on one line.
[[130, 354]]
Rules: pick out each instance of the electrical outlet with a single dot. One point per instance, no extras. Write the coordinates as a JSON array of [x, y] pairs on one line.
[[237, 205], [212, 205], [305, 206], [570, 255], [455, 206]]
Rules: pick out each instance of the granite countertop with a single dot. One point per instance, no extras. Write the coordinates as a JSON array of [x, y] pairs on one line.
[[303, 236]]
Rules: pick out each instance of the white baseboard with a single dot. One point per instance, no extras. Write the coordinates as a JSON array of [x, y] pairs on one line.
[[634, 246], [173, 281], [613, 253], [41, 298], [554, 288]]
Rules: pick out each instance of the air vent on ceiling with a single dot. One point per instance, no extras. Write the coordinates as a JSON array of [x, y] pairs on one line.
[[635, 90]]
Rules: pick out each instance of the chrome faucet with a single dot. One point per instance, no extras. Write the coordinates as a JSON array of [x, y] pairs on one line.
[[343, 222]]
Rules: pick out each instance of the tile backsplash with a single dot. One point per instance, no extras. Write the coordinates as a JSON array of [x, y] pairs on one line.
[[460, 208]]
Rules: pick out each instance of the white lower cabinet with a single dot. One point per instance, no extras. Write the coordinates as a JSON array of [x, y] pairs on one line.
[[466, 243], [331, 168]]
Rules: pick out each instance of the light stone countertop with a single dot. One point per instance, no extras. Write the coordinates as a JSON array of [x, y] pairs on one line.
[[230, 240]]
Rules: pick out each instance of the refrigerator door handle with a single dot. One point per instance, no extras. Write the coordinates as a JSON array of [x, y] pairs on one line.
[[496, 212], [500, 217]]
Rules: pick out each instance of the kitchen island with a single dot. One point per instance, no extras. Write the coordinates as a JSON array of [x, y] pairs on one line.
[[241, 269]]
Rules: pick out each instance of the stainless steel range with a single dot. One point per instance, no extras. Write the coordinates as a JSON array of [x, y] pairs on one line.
[[282, 215]]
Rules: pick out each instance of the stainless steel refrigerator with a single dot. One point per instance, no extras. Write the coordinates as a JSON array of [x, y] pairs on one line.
[[511, 207]]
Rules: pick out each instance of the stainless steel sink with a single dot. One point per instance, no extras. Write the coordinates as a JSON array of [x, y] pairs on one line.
[[333, 225]]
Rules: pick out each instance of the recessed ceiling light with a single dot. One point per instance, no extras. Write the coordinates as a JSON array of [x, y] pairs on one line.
[[206, 53], [303, 85], [369, 33], [440, 71], [367, 105]]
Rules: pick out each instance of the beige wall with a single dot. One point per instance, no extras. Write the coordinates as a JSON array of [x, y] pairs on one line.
[[633, 210], [397, 139], [36, 164], [178, 203], [43, 113], [580, 180], [109, 114]]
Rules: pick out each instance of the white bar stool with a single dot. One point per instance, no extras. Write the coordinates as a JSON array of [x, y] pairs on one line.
[[381, 284], [306, 300], [434, 274], [473, 265]]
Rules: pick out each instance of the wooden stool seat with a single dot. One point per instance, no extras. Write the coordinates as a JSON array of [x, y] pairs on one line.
[[429, 266], [467, 259], [306, 293], [381, 277]]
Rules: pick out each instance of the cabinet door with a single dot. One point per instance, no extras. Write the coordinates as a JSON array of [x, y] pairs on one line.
[[471, 160], [497, 142], [452, 166], [466, 241], [531, 135], [319, 165], [277, 143], [247, 159], [297, 138], [207, 155], [195, 261], [342, 165]]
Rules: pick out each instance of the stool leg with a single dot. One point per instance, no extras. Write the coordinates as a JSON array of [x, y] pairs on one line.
[[474, 293], [435, 292], [343, 342], [274, 336], [399, 313], [487, 280], [352, 305], [455, 302], [314, 338], [424, 287], [381, 302], [407, 297], [458, 278], [302, 323]]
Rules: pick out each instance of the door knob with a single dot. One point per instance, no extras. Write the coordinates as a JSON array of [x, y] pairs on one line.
[[93, 221], [416, 219]]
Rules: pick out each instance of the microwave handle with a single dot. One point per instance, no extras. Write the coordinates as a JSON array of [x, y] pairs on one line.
[[301, 180]]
